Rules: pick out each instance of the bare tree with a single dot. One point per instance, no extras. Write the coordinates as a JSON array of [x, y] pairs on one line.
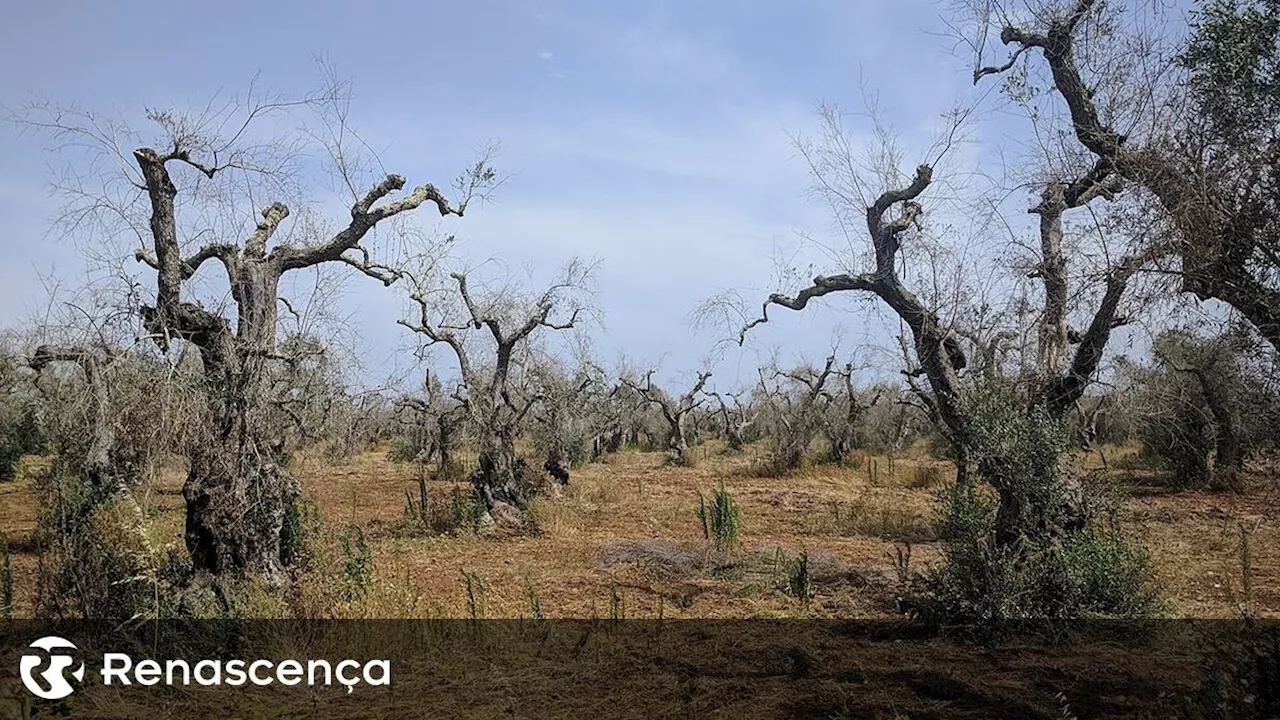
[[236, 492], [441, 416], [797, 411], [936, 351], [736, 420], [1216, 192], [843, 431], [675, 412], [496, 407]]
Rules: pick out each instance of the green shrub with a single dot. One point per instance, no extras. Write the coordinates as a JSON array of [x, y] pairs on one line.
[[403, 449], [1095, 572], [799, 579], [1107, 574], [357, 565], [19, 435], [1052, 552], [9, 457], [1181, 445], [301, 523], [720, 519]]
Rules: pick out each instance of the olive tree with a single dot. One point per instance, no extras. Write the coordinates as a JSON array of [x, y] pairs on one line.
[[488, 335], [1194, 126], [187, 192], [797, 401], [893, 213], [675, 412]]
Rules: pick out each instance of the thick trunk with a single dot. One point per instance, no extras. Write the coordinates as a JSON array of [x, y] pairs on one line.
[[677, 443], [1051, 348], [733, 436], [613, 440], [1039, 515], [236, 508], [445, 430], [840, 448], [502, 479], [237, 493]]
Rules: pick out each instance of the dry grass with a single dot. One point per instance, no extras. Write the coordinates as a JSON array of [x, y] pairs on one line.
[[623, 541], [626, 529]]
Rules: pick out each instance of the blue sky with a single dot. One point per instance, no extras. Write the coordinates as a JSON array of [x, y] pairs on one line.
[[652, 135]]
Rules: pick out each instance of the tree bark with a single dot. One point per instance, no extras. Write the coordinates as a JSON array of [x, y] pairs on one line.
[[1211, 239], [237, 493]]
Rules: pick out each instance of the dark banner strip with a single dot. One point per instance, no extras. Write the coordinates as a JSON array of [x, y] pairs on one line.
[[638, 669]]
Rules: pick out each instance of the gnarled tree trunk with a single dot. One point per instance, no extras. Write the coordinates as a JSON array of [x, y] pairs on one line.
[[237, 493]]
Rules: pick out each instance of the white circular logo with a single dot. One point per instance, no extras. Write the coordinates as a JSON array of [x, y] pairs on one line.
[[51, 682]]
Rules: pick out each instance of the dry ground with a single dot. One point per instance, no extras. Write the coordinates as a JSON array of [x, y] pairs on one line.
[[623, 539]]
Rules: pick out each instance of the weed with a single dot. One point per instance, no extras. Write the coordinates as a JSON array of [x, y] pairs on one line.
[[475, 595], [617, 607], [403, 449], [357, 565], [1090, 572], [1245, 552], [902, 563], [799, 579], [721, 522], [535, 605], [468, 509], [301, 521], [415, 507]]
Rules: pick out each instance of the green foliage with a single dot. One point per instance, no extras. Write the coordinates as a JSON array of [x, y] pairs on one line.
[[301, 522], [535, 605], [799, 580], [1090, 573], [965, 512], [20, 432], [1107, 574], [1235, 67], [468, 508], [94, 557], [721, 522], [1180, 442], [403, 449], [1206, 409], [1027, 545], [357, 563], [1019, 451]]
